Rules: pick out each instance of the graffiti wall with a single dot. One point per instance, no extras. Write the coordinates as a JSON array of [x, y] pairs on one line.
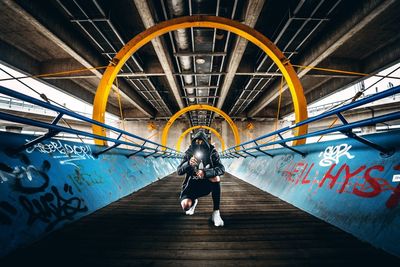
[[342, 182], [57, 182]]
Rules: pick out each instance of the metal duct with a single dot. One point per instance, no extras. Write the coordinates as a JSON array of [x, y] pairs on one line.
[[177, 9]]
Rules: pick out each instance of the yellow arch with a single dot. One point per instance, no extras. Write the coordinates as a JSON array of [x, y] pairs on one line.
[[180, 139], [293, 82], [233, 126]]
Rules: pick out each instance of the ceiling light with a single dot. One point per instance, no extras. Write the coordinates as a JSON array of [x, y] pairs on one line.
[[200, 60]]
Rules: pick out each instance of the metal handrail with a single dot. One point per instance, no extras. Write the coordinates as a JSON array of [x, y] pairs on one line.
[[336, 103], [254, 148], [54, 129]]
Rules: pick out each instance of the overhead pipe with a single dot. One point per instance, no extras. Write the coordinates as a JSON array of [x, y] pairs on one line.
[[177, 8]]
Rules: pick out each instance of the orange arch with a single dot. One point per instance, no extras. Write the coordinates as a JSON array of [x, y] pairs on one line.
[[290, 75], [215, 132]]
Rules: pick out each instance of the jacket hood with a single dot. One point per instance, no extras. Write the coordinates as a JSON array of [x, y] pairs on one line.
[[200, 135]]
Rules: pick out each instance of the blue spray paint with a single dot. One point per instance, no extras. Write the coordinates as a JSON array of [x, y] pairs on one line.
[[57, 182], [342, 182]]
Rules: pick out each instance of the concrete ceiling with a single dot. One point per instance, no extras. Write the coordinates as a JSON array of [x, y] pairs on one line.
[[50, 36]]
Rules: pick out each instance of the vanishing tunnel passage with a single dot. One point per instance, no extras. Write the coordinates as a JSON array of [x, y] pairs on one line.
[[291, 109], [148, 228]]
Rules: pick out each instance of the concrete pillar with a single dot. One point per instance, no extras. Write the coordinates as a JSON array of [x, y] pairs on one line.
[[152, 130]]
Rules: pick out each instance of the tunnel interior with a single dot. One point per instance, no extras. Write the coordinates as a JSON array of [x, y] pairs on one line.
[[298, 103]]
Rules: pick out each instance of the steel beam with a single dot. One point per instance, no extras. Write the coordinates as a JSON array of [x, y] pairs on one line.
[[15, 58], [253, 11], [139, 75], [160, 49], [386, 56], [329, 44], [200, 54], [200, 97], [201, 87], [63, 35]]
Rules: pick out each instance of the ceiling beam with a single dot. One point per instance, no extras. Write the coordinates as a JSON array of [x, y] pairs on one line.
[[253, 11], [368, 11], [383, 58], [16, 59], [63, 35], [160, 49]]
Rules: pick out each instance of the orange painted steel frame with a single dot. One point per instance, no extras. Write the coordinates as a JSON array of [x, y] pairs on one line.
[[233, 126], [293, 82], [180, 139]]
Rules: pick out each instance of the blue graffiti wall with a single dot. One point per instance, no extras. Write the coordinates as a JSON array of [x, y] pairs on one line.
[[57, 182], [342, 182]]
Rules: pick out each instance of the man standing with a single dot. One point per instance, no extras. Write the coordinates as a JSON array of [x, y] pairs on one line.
[[203, 169]]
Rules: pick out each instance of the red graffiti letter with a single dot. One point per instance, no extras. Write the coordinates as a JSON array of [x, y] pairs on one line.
[[373, 183], [334, 178], [305, 181], [350, 175]]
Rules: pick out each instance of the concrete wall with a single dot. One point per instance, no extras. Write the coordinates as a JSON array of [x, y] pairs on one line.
[[342, 182], [141, 128], [246, 133], [58, 182]]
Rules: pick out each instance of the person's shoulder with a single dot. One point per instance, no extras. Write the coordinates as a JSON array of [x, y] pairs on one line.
[[213, 150]]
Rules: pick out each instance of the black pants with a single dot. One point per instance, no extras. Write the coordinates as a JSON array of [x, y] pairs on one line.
[[200, 188]]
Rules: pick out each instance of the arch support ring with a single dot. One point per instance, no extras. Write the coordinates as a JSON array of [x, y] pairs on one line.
[[288, 72]]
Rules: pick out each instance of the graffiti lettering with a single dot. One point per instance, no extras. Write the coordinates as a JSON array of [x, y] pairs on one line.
[[38, 179], [298, 172], [80, 179], [282, 162], [366, 184], [48, 207], [52, 208], [372, 182], [68, 153], [334, 178], [332, 154]]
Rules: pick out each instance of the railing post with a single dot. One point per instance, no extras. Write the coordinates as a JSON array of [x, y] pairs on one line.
[[350, 134]]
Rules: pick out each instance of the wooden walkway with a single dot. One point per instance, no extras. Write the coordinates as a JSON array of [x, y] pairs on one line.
[[148, 228]]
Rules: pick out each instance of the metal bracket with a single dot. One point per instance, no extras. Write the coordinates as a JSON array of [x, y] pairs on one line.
[[268, 154], [289, 147], [97, 154], [240, 155], [167, 156], [155, 152], [248, 153], [262, 151], [134, 153], [350, 134], [233, 155], [49, 134]]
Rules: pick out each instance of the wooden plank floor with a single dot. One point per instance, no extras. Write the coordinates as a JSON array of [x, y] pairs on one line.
[[148, 228]]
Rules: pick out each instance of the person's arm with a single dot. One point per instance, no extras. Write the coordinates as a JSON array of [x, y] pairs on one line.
[[185, 167], [218, 169]]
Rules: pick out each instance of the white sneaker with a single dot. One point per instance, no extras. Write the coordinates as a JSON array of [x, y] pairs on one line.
[[191, 210], [216, 218]]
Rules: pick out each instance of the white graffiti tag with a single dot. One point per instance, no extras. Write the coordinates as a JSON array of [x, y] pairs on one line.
[[332, 154], [18, 172], [68, 152]]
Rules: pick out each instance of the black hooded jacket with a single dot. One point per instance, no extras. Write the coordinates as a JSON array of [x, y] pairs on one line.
[[210, 159]]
